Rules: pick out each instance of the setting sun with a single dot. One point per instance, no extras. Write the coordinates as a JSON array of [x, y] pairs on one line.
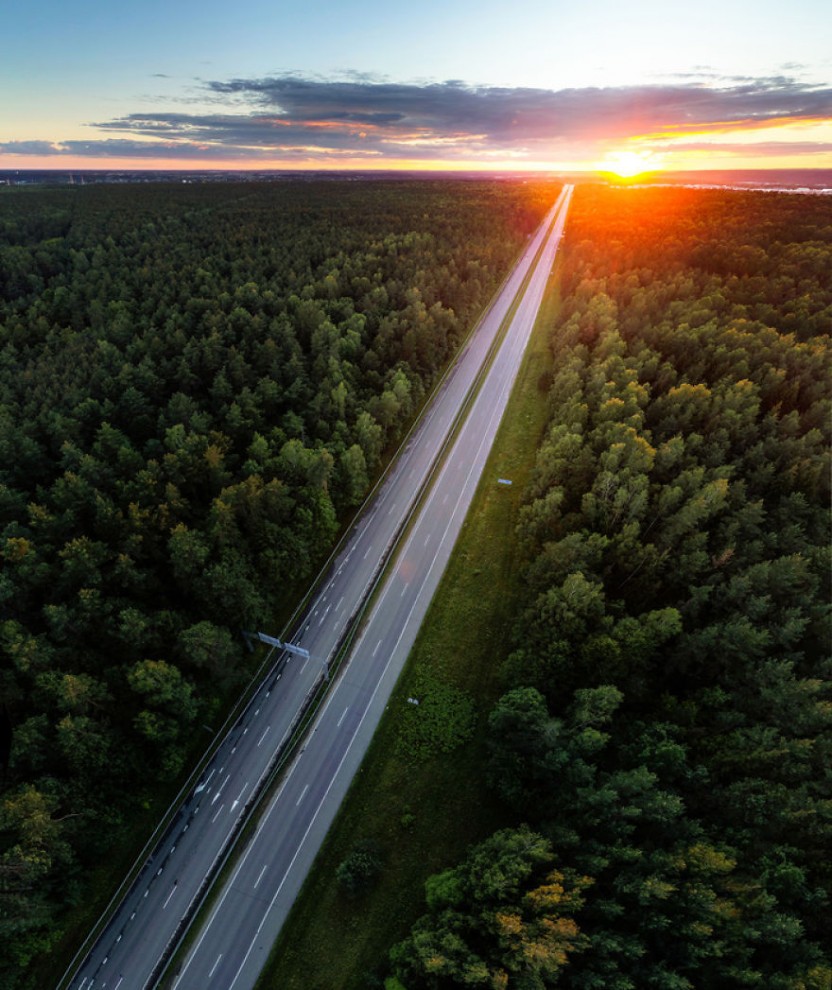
[[627, 164]]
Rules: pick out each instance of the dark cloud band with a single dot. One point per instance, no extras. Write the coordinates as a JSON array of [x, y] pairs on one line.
[[294, 117]]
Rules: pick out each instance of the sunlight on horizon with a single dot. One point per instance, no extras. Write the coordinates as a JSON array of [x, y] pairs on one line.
[[628, 164]]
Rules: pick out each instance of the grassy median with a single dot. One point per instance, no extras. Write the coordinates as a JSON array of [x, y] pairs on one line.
[[419, 799]]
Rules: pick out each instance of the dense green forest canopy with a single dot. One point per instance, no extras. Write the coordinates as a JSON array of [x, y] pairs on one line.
[[197, 384], [665, 743]]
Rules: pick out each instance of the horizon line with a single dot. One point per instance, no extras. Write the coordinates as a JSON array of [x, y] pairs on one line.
[[394, 170]]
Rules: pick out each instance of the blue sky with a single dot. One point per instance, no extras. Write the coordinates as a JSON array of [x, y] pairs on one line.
[[385, 84]]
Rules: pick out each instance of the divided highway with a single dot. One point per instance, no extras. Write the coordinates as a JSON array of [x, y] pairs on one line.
[[231, 949]]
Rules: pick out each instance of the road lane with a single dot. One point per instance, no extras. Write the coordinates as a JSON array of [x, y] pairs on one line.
[[237, 937]]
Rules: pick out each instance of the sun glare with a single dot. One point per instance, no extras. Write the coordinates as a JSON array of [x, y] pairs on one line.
[[627, 164]]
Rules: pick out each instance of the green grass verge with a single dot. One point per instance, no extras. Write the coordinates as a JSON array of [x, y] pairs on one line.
[[419, 797]]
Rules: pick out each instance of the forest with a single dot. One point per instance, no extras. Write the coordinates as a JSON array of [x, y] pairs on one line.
[[663, 745], [198, 384]]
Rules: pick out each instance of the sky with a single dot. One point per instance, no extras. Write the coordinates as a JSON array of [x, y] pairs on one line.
[[438, 84]]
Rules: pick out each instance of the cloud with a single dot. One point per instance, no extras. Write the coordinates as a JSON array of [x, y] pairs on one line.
[[29, 148], [505, 116], [118, 148], [291, 116], [762, 149]]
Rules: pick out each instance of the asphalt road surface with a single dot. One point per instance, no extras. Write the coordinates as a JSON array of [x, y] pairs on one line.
[[231, 950]]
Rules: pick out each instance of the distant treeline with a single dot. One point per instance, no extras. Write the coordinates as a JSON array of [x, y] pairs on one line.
[[197, 383], [666, 741]]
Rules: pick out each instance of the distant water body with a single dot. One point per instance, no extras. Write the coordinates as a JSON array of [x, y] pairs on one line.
[[817, 181]]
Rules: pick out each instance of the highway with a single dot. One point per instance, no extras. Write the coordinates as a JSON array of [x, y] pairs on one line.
[[234, 944], [151, 918]]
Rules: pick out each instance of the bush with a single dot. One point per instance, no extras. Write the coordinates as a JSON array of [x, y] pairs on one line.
[[359, 870]]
